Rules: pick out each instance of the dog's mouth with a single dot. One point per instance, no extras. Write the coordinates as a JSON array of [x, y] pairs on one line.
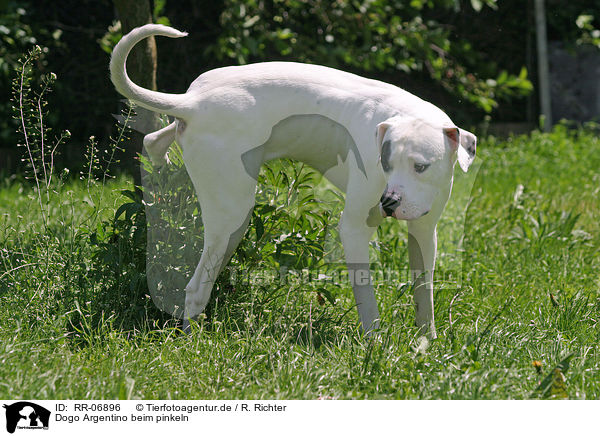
[[389, 204], [393, 206]]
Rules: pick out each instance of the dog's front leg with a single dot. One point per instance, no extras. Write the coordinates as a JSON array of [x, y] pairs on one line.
[[355, 238], [422, 245]]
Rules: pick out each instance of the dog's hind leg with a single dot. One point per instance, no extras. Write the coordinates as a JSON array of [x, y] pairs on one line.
[[157, 144], [223, 231], [226, 194]]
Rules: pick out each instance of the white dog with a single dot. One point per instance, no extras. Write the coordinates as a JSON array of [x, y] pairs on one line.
[[392, 153]]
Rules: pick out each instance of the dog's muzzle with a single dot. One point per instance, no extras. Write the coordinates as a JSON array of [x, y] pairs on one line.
[[389, 203], [389, 206]]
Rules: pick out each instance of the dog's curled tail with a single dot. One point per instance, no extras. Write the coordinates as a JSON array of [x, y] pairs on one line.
[[170, 104]]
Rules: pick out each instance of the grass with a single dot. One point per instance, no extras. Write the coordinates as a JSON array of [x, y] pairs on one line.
[[81, 261], [522, 247]]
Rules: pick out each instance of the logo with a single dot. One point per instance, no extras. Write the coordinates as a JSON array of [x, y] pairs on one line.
[[26, 415]]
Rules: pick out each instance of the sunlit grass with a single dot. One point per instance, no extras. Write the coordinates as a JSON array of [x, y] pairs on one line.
[[522, 232]]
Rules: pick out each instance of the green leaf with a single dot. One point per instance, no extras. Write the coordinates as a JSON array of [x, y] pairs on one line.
[[554, 384], [327, 294], [583, 21], [260, 228], [251, 21], [121, 210], [477, 5]]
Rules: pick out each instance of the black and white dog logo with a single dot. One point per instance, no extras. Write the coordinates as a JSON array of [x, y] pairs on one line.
[[26, 415]]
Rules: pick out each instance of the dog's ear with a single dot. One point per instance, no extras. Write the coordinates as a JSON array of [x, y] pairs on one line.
[[467, 149], [465, 145], [380, 132]]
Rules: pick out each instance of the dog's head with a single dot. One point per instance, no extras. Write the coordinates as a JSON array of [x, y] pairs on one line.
[[418, 161]]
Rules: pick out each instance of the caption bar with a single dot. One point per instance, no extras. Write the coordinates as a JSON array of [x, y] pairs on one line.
[[74, 417], [153, 412], [157, 417]]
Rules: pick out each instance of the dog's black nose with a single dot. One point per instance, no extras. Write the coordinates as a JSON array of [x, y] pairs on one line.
[[389, 203]]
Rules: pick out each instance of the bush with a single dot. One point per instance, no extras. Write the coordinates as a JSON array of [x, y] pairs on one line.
[[364, 37]]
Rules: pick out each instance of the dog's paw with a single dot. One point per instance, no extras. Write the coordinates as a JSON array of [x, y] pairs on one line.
[[195, 303], [186, 327], [422, 345], [159, 161]]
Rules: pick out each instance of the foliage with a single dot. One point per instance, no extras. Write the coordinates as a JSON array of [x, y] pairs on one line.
[[364, 36], [563, 19], [30, 109], [476, 41], [64, 32], [16, 38], [115, 33], [66, 240], [589, 34]]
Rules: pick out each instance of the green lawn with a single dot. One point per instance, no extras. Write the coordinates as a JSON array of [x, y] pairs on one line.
[[518, 283]]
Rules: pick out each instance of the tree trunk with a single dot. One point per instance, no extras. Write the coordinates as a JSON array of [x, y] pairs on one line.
[[141, 64], [543, 73], [141, 67]]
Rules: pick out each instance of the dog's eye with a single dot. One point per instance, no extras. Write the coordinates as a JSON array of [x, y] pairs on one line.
[[419, 168]]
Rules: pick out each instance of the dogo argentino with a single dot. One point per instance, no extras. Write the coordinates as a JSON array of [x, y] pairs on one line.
[[392, 154]]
